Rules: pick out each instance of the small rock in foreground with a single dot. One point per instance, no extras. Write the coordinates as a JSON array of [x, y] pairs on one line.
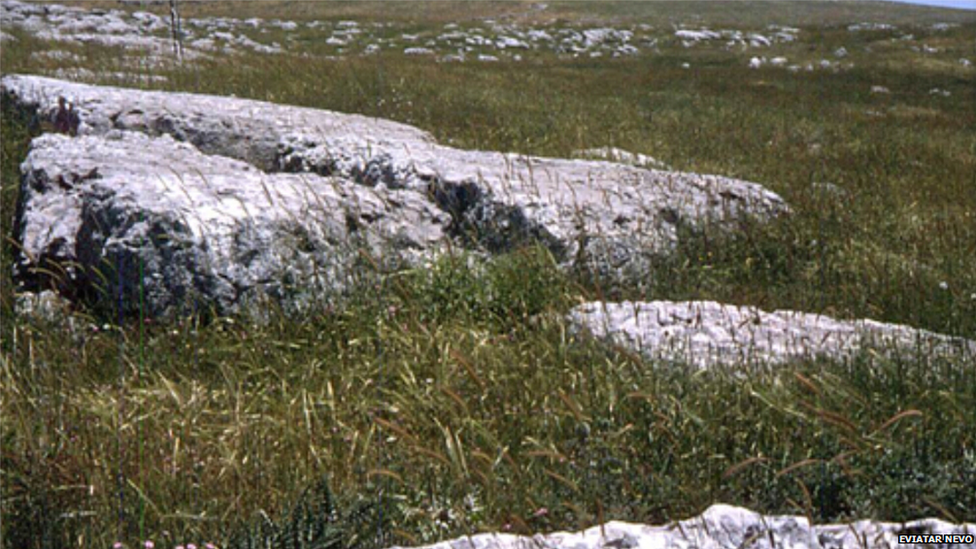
[[728, 527]]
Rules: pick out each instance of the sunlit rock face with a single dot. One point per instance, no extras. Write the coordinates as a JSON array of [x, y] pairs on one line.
[[159, 228], [204, 171], [706, 333]]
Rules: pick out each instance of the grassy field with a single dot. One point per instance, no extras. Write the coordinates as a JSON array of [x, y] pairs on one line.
[[455, 401]]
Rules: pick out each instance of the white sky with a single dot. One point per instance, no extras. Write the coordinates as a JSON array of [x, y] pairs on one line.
[[958, 4]]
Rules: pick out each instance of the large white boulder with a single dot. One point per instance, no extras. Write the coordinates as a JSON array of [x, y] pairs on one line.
[[153, 225], [604, 218]]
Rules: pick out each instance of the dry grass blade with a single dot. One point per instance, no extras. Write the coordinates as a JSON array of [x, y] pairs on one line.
[[402, 432], [735, 469], [798, 465], [806, 382], [571, 405], [563, 480], [831, 417], [467, 367], [384, 473], [896, 418], [941, 509]]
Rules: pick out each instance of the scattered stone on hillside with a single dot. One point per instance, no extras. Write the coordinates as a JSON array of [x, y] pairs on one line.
[[829, 189], [57, 55], [613, 154], [78, 25], [46, 306], [705, 333], [603, 218], [697, 36], [871, 27], [726, 527], [487, 39], [734, 38]]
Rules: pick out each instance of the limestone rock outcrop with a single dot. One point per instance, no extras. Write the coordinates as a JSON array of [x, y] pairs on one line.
[[705, 333], [600, 217], [727, 527], [157, 224]]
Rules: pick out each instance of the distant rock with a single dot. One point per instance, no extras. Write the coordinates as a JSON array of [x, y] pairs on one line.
[[613, 154], [705, 333], [871, 27], [829, 189], [698, 35], [728, 527], [598, 217]]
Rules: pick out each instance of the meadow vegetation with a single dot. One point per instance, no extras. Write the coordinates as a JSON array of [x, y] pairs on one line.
[[453, 400]]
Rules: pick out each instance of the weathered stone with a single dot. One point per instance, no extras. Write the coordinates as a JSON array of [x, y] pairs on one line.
[[599, 217], [728, 527], [613, 154], [705, 333], [132, 221]]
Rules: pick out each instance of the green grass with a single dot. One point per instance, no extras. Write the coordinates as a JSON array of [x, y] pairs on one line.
[[455, 400]]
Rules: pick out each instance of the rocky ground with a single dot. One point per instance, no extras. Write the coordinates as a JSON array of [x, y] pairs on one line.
[[151, 204], [480, 41]]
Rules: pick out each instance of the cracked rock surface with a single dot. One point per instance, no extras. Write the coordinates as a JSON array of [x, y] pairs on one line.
[[156, 222], [727, 527], [704, 333], [599, 217]]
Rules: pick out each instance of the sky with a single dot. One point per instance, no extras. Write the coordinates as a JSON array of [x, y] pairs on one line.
[[959, 4]]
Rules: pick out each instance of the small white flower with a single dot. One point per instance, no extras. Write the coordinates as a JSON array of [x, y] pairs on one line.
[[944, 285]]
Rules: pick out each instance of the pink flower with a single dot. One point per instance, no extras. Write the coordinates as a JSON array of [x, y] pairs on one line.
[[191, 546], [117, 545], [149, 544], [540, 512]]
